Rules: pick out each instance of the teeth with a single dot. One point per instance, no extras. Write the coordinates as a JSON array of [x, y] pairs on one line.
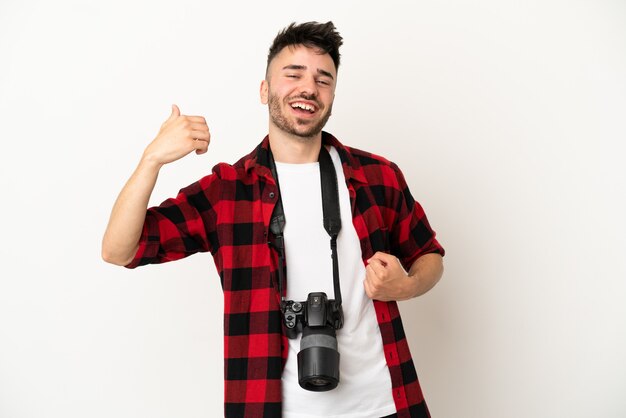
[[303, 106]]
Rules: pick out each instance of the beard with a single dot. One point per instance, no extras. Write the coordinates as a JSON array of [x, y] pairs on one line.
[[302, 128]]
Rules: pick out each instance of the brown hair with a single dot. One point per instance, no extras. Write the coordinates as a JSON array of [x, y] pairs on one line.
[[322, 36]]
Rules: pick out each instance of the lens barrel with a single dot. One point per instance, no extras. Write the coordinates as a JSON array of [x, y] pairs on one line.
[[318, 359]]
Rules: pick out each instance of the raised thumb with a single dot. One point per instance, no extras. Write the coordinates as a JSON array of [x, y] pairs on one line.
[[175, 112]]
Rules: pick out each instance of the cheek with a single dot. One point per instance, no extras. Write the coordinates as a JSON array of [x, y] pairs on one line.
[[328, 99], [275, 93], [285, 88]]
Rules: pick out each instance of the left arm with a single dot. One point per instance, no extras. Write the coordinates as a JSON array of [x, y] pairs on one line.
[[386, 279]]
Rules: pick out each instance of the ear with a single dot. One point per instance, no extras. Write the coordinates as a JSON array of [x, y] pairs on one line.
[[264, 92]]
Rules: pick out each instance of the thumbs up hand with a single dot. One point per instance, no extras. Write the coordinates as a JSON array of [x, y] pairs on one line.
[[179, 135]]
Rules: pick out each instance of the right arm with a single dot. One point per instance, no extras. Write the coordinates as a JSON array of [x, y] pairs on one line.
[[178, 136]]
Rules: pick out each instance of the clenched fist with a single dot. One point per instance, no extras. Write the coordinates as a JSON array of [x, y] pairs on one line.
[[178, 136], [386, 279]]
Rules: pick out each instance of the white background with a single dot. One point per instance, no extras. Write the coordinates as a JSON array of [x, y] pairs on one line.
[[507, 117]]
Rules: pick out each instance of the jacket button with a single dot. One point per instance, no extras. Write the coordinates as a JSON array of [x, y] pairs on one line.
[[272, 195]]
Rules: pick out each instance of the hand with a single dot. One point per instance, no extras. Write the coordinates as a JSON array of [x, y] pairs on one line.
[[178, 136], [386, 279]]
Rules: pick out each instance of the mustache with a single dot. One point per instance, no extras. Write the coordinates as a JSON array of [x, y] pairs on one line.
[[306, 96]]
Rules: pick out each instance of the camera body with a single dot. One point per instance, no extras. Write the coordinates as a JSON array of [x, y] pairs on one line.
[[316, 311], [317, 318]]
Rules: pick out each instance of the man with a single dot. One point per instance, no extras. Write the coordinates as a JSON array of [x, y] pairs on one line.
[[384, 233]]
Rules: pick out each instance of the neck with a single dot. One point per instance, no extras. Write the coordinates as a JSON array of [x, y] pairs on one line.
[[293, 149]]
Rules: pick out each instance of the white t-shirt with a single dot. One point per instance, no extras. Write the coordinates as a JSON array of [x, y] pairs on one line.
[[364, 389]]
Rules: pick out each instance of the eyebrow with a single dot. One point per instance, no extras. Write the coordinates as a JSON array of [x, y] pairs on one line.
[[304, 67]]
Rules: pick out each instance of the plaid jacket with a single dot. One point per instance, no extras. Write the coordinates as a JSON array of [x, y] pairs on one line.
[[228, 213]]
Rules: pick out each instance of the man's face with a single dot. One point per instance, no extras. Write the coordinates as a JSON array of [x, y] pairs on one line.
[[299, 89]]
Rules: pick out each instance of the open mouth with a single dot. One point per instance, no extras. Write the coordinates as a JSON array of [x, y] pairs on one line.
[[303, 108]]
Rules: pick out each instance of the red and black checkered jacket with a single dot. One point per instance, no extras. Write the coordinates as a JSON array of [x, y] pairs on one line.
[[228, 213]]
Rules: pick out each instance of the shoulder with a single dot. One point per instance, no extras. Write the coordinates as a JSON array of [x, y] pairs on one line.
[[225, 172], [377, 169], [358, 159], [366, 158], [222, 177]]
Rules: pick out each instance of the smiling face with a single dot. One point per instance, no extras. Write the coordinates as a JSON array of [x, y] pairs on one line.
[[299, 90]]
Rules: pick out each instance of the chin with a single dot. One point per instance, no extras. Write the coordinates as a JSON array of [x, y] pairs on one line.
[[307, 134]]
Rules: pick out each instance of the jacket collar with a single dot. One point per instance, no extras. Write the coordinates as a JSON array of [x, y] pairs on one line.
[[351, 167]]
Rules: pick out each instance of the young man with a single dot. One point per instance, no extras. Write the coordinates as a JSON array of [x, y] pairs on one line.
[[384, 234]]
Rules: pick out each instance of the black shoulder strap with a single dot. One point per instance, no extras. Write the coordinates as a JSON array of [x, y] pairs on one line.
[[330, 194], [330, 207], [277, 223]]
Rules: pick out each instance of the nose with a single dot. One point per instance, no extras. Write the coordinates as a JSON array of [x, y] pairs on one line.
[[308, 88]]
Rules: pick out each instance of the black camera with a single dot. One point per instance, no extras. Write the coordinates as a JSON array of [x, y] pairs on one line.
[[318, 360]]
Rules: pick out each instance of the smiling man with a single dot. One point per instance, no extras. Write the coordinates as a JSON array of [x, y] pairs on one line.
[[305, 335]]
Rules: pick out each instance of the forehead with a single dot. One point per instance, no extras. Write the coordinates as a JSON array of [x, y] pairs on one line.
[[312, 58]]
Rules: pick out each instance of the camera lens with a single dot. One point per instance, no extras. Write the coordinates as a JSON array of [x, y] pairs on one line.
[[318, 359]]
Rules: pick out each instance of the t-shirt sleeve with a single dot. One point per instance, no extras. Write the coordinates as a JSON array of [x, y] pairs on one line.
[[411, 236], [179, 226]]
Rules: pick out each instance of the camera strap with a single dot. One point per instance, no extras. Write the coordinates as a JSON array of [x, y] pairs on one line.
[[332, 218]]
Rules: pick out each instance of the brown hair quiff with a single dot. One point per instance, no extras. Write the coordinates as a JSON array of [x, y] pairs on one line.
[[323, 36]]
